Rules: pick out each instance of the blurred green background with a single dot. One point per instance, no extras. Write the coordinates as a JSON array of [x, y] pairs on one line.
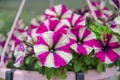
[[8, 10]]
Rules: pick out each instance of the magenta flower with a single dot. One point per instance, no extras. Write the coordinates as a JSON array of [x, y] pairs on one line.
[[82, 40], [52, 25], [75, 21], [59, 11], [53, 49], [108, 50], [101, 10]]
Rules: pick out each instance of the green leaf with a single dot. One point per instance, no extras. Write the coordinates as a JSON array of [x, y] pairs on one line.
[[49, 72], [118, 37], [87, 60], [101, 67], [77, 66], [61, 73], [28, 60], [37, 65]]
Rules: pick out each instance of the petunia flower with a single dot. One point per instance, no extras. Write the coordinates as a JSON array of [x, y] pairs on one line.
[[59, 11], [52, 25], [101, 10], [75, 21], [53, 49], [35, 22], [107, 49], [20, 54], [115, 25], [82, 40]]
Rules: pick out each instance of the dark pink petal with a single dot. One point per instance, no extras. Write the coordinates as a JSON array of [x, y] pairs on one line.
[[58, 61], [72, 41], [42, 57], [113, 45], [86, 33], [56, 37], [65, 48], [64, 9], [81, 49], [100, 55], [41, 41], [98, 13], [112, 55], [90, 43]]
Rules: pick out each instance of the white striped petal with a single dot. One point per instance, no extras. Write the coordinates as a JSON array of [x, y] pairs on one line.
[[58, 9], [117, 50], [107, 60], [90, 36], [50, 60], [39, 49], [49, 12], [102, 5], [66, 56], [75, 18], [113, 39], [63, 41], [47, 36]]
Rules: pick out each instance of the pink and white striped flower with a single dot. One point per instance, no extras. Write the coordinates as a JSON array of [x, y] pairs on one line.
[[82, 40], [108, 50], [115, 25], [59, 11], [20, 54], [52, 25], [53, 49], [75, 21], [101, 10]]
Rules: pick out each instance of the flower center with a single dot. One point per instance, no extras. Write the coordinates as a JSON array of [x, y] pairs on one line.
[[79, 41], [105, 48], [52, 49]]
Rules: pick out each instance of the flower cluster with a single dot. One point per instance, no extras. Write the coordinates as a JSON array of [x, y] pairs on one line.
[[62, 38]]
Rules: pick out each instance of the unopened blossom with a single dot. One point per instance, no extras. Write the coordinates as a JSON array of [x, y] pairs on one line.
[[107, 49], [58, 11], [82, 40], [75, 21], [53, 49], [101, 10]]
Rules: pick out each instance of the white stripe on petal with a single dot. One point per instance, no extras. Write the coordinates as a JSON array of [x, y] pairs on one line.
[[107, 60], [102, 5], [66, 56], [74, 47], [39, 49], [117, 50], [50, 60], [47, 36], [67, 14], [90, 36], [50, 12], [58, 9], [65, 21], [75, 18], [108, 12], [81, 32], [34, 22], [63, 41], [88, 48], [82, 23], [47, 23], [70, 35], [60, 25], [113, 39]]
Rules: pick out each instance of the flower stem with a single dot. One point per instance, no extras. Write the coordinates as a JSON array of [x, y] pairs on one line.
[[11, 32]]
